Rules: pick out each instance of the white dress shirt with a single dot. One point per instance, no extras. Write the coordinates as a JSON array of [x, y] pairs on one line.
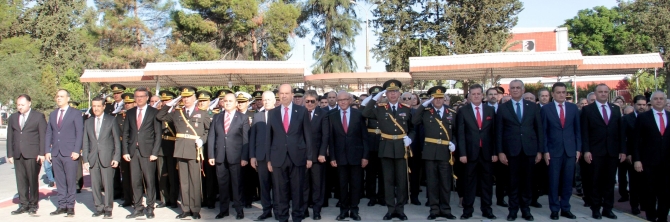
[[520, 102], [440, 111], [144, 112], [64, 111], [290, 109], [348, 115], [558, 109], [607, 108], [481, 111], [658, 121]]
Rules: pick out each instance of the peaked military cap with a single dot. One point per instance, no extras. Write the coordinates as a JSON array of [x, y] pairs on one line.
[[166, 95], [423, 96], [242, 96], [117, 88], [128, 98], [374, 90], [258, 95], [73, 104], [392, 85], [298, 92], [437, 91], [222, 93], [109, 100], [187, 91], [204, 95]]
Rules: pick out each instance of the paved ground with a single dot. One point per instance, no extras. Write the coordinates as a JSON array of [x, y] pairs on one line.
[[84, 206]]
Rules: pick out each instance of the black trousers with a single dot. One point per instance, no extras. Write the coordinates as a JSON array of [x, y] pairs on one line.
[[230, 175], [416, 165], [540, 185], [395, 184], [80, 173], [374, 180], [478, 173], [267, 192], [315, 184], [288, 179], [636, 182], [520, 183], [332, 186], [102, 179], [602, 182], [461, 182], [168, 179], [439, 180], [586, 172], [143, 178], [502, 176], [190, 184], [656, 201], [250, 181], [351, 184], [27, 177], [124, 168], [622, 178], [210, 186]]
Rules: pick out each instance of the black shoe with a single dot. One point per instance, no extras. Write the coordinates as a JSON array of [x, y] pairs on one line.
[[502, 203], [211, 206], [20, 211], [623, 199], [99, 213], [535, 204], [51, 184], [635, 211], [609, 214], [239, 216], [338, 204], [342, 216], [58, 211], [150, 213], [587, 204], [596, 215], [466, 216], [528, 217], [449, 216], [222, 215], [568, 214], [511, 217], [431, 217], [125, 204], [196, 216], [264, 216], [136, 213], [70, 212], [32, 211], [78, 190], [174, 205], [415, 201], [317, 216], [161, 205], [554, 216], [306, 214], [372, 202], [248, 206], [402, 216], [381, 202], [184, 215], [355, 216], [108, 215], [388, 216], [490, 216]]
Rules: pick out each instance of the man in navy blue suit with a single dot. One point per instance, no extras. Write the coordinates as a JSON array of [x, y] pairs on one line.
[[257, 151], [562, 148], [64, 139]]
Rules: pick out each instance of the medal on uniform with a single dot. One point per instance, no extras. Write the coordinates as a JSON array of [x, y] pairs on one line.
[[196, 124]]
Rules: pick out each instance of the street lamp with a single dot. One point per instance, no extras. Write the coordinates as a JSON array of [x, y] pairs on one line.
[[367, 46]]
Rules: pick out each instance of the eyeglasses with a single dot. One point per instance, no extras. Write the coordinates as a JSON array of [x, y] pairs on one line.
[[406, 98], [310, 101]]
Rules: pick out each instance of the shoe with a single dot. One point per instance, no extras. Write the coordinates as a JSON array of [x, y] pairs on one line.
[[338, 204], [342, 216], [20, 211], [317, 216], [58, 211], [70, 212], [196, 216], [256, 198], [150, 213], [554, 216], [431, 217], [211, 206], [427, 204], [596, 215], [108, 215], [32, 211], [222, 215], [466, 216], [174, 205], [388, 216], [528, 217], [402, 216], [381, 202], [264, 216], [125, 204], [535, 204], [635, 211], [306, 214], [568, 214], [78, 190], [51, 184], [415, 201], [580, 192], [586, 204], [135, 214], [239, 216], [183, 215], [97, 214], [355, 216], [161, 205], [248, 206], [372, 202], [609, 214], [511, 217], [623, 199], [490, 216], [449, 216], [502, 203]]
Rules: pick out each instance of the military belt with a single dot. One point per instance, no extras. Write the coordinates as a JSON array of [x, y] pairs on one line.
[[375, 131], [187, 136], [437, 141], [393, 137], [171, 138]]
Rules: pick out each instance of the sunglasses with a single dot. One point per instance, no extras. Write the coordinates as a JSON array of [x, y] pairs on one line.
[[405, 98], [310, 101]]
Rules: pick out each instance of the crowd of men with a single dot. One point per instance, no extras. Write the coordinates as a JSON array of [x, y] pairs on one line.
[[292, 150]]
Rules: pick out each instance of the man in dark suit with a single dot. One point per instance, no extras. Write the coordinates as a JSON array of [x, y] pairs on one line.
[[101, 154], [604, 146], [316, 176], [635, 179], [396, 130], [123, 174], [650, 157], [141, 125], [332, 185], [228, 151], [166, 165], [288, 137], [64, 138], [25, 149], [562, 148], [374, 181], [476, 147], [250, 179], [350, 153], [437, 119], [210, 186], [191, 125], [257, 152], [519, 137]]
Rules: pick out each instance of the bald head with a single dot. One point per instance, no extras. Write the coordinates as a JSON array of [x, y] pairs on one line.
[[344, 99]]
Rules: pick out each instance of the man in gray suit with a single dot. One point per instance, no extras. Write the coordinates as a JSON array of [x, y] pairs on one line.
[[101, 153]]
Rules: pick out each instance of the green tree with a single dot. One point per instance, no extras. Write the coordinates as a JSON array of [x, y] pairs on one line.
[[19, 59], [10, 12]]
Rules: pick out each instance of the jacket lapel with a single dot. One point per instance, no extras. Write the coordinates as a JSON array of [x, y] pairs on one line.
[[294, 117]]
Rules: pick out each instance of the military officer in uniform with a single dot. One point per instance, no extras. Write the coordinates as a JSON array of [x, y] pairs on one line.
[[209, 182], [117, 103], [168, 182], [298, 95], [258, 101], [374, 181], [124, 166], [396, 130], [191, 125], [437, 120], [250, 178]]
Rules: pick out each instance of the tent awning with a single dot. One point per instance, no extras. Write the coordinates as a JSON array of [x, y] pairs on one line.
[[332, 79], [127, 77]]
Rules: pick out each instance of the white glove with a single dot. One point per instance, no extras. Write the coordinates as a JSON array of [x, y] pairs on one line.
[[155, 104], [452, 147], [213, 104], [425, 104], [379, 95], [119, 108], [407, 140], [198, 142], [366, 101], [174, 101]]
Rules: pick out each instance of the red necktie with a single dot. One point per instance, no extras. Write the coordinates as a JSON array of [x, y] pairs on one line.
[[479, 123], [286, 119], [605, 115], [60, 119], [139, 118], [562, 115], [344, 121], [226, 122], [662, 125]]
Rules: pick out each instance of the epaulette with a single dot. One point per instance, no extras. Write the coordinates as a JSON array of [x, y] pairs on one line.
[[452, 110], [216, 111], [427, 108], [383, 104], [400, 105]]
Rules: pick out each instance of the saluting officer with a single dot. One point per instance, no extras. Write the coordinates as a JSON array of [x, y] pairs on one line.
[[117, 103], [396, 131], [168, 181], [374, 181], [191, 125], [437, 120]]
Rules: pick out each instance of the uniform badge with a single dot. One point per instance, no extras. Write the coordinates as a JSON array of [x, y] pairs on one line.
[[402, 114], [196, 115]]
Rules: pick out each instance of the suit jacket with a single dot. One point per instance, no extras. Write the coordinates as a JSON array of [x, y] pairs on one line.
[[186, 148], [107, 146], [599, 138], [148, 136], [320, 133], [391, 148], [257, 132], [559, 140], [628, 124], [293, 143], [350, 147], [513, 136], [650, 147], [28, 141], [69, 137], [232, 146], [428, 118], [469, 134]]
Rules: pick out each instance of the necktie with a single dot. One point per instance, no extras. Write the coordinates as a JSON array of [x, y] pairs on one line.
[[561, 115], [139, 118], [23, 120], [393, 110], [344, 121], [286, 119], [605, 115], [518, 111], [439, 114], [97, 127], [60, 118], [188, 113], [479, 123], [662, 125], [226, 123]]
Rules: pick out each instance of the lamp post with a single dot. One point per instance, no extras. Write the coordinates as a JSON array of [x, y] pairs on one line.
[[367, 46]]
